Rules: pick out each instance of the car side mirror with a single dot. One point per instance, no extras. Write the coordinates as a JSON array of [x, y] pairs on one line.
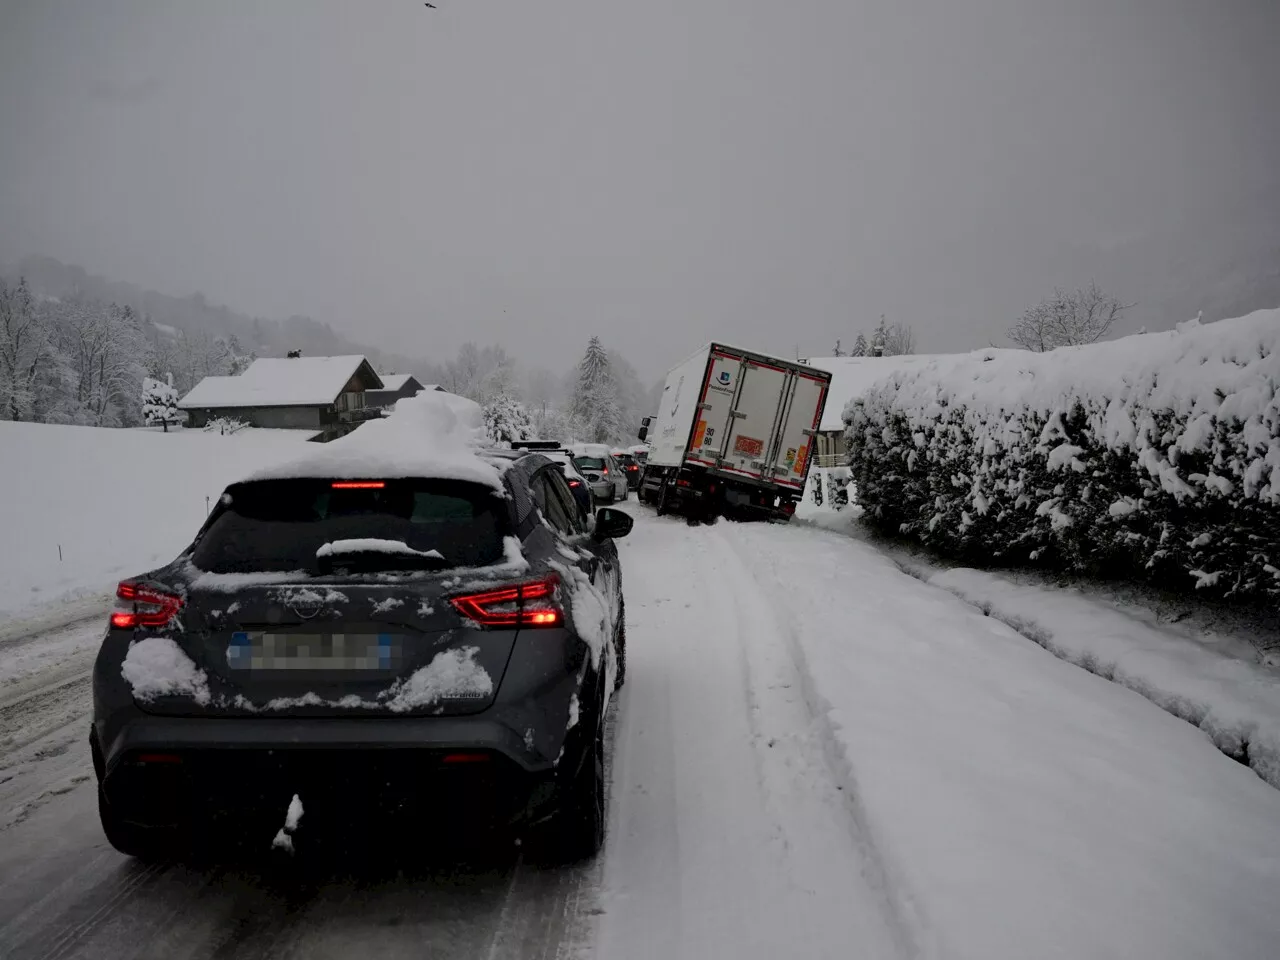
[[612, 524], [643, 434]]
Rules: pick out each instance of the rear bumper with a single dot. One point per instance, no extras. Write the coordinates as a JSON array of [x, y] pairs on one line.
[[164, 771], [177, 734]]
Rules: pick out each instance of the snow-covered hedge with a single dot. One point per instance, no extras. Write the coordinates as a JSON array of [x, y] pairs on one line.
[[1157, 456]]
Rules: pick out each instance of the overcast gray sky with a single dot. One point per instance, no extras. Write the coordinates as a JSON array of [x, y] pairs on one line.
[[660, 172]]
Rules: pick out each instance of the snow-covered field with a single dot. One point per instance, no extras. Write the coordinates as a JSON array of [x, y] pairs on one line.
[[816, 755], [116, 502]]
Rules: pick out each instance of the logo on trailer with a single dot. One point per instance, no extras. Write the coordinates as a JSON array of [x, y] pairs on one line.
[[725, 377]]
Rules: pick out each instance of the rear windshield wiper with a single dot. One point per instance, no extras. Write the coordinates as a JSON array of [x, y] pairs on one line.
[[369, 553]]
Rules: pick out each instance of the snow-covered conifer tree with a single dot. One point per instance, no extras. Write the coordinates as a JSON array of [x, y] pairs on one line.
[[159, 401]]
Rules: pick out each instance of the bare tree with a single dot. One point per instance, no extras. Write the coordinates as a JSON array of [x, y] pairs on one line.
[[24, 348], [899, 339], [1067, 319]]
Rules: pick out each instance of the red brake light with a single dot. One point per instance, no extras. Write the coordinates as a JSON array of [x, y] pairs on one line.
[[522, 605], [633, 467], [358, 484], [143, 606], [157, 758], [605, 471], [465, 758], [575, 483]]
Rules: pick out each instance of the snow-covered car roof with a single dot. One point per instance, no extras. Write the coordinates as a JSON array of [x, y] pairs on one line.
[[591, 450], [564, 460], [433, 435]]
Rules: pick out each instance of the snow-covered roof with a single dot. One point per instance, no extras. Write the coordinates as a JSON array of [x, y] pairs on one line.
[[433, 435], [853, 376], [280, 382], [394, 381]]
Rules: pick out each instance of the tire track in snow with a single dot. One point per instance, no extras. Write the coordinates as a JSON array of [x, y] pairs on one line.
[[723, 845], [765, 595]]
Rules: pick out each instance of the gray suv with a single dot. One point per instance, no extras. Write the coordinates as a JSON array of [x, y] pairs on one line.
[[384, 649]]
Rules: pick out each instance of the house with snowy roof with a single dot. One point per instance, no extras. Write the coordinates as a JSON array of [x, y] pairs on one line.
[[851, 377], [397, 386], [295, 392]]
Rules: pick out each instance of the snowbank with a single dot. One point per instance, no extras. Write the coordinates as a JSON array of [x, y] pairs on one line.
[[117, 502], [1155, 455], [1236, 704], [1019, 806], [429, 435]]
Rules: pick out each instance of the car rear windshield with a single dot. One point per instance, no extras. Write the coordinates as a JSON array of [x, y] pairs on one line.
[[624, 458], [279, 525], [589, 463]]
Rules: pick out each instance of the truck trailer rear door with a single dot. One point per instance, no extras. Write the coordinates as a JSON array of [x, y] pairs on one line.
[[801, 417], [754, 420], [724, 372]]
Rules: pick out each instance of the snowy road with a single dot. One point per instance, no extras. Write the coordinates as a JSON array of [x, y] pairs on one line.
[[815, 756]]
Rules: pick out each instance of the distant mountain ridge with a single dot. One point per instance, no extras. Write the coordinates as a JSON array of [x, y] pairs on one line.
[[264, 337]]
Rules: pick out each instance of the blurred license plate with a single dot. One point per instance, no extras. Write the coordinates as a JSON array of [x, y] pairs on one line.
[[252, 650]]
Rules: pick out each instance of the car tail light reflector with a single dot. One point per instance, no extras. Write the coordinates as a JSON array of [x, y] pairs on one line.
[[143, 606], [683, 483], [157, 758], [465, 758], [575, 483], [531, 604]]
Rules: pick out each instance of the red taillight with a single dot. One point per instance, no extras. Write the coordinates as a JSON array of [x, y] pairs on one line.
[[575, 483], [789, 507], [605, 471], [157, 758], [683, 483], [358, 484], [143, 606], [633, 468], [522, 605], [465, 758]]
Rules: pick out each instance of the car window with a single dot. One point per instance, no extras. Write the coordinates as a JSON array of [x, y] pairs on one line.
[[589, 463], [559, 487], [279, 525], [561, 515]]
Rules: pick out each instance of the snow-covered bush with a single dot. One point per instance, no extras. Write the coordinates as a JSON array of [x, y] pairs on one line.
[[225, 425], [159, 402], [506, 421], [1155, 456]]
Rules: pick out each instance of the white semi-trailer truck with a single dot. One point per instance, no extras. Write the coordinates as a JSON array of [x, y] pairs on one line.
[[733, 435]]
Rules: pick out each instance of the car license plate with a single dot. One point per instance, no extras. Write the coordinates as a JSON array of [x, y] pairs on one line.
[[253, 650]]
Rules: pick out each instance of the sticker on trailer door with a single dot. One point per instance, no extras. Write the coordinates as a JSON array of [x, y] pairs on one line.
[[800, 458], [791, 455], [748, 447], [699, 432]]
